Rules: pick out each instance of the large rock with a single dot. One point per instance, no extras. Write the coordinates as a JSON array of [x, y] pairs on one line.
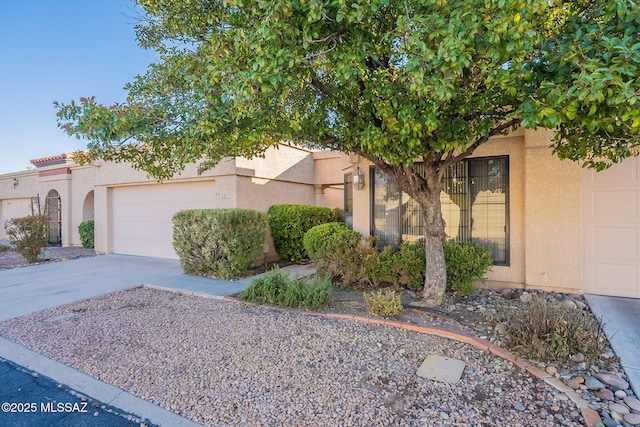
[[633, 419], [614, 381], [632, 402], [593, 384]]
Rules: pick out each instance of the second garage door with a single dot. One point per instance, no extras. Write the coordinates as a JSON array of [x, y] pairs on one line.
[[142, 215], [612, 230]]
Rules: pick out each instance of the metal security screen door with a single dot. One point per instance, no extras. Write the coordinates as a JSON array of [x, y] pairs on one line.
[[475, 206], [54, 213]]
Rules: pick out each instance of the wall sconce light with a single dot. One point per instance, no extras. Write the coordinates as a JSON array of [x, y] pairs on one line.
[[358, 179], [15, 182]]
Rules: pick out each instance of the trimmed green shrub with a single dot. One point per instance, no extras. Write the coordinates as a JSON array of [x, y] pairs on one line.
[[412, 264], [222, 243], [86, 231], [384, 302], [28, 234], [337, 252], [275, 287], [289, 223], [466, 263]]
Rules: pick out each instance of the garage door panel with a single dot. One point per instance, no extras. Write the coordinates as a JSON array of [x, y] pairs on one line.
[[616, 279], [623, 172], [612, 230], [142, 215], [613, 243], [614, 206]]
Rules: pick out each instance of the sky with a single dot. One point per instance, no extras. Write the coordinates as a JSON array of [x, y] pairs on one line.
[[60, 51]]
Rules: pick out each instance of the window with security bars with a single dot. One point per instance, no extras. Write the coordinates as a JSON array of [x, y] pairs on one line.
[[475, 206]]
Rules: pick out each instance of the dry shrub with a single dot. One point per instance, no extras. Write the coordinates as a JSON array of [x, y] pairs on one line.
[[384, 302], [545, 330]]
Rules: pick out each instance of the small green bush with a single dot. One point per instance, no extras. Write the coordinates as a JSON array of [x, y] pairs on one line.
[[275, 287], [384, 302], [466, 263], [337, 252], [289, 223], [28, 234], [545, 330], [412, 262], [86, 231], [222, 243]]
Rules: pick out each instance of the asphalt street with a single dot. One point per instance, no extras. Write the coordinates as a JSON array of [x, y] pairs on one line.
[[29, 399]]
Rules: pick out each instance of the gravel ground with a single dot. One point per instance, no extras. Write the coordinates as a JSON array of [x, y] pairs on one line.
[[224, 363], [10, 259]]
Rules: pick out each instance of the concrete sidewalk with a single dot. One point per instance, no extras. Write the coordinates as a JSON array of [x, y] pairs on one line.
[[28, 289], [621, 319]]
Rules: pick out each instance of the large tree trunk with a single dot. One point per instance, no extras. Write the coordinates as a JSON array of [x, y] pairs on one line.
[[425, 188], [435, 282]]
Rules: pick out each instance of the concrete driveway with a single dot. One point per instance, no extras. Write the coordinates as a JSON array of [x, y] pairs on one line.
[[621, 320], [28, 289]]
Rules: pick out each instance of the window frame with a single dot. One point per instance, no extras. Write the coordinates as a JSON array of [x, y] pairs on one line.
[[468, 210]]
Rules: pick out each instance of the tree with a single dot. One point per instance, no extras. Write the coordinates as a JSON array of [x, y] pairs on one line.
[[397, 82]]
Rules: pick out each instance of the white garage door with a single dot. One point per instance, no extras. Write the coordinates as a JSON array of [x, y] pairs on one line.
[[142, 215], [13, 208], [612, 239]]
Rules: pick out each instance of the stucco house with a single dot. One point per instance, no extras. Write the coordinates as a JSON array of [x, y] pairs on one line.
[[133, 212], [550, 223]]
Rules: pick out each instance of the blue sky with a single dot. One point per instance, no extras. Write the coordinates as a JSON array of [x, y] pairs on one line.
[[59, 51]]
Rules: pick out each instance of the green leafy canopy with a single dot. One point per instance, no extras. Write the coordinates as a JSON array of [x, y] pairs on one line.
[[394, 81]]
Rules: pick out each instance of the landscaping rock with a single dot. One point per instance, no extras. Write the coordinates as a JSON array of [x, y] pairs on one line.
[[632, 402], [605, 394], [593, 383], [579, 357], [614, 381], [619, 408], [633, 419]]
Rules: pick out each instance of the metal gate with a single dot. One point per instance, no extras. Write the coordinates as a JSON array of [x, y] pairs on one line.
[[54, 212]]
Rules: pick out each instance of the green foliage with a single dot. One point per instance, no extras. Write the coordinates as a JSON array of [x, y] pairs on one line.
[[86, 231], [393, 81], [545, 330], [28, 234], [337, 75], [337, 252], [289, 223], [384, 302], [328, 241], [466, 263], [276, 288], [222, 243]]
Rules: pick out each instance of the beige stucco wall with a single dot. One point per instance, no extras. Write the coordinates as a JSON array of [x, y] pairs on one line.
[[554, 227], [545, 213], [285, 174]]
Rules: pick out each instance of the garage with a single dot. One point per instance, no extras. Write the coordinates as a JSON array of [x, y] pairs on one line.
[[612, 230], [141, 215]]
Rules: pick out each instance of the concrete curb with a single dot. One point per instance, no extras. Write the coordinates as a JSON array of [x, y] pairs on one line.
[[591, 416], [91, 387]]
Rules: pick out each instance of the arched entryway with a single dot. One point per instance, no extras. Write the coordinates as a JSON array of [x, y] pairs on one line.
[[54, 213], [87, 207]]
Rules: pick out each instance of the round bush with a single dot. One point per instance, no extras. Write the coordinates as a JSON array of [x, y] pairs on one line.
[[86, 231], [326, 240], [289, 223], [466, 263], [222, 243]]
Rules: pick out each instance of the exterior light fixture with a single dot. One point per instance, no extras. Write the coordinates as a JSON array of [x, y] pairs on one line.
[[358, 179], [15, 182]]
